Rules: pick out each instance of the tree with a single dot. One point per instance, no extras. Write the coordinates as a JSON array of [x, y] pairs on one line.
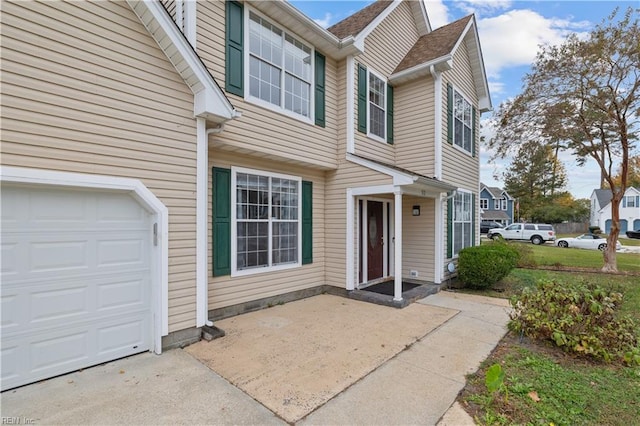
[[534, 175], [633, 173], [583, 97]]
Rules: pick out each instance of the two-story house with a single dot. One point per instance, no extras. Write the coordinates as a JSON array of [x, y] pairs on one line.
[[164, 163], [496, 205], [629, 212]]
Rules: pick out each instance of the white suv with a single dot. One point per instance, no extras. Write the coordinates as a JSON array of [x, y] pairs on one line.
[[537, 233]]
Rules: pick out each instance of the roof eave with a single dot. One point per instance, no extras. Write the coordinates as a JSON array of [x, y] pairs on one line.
[[307, 28], [209, 100], [441, 64]]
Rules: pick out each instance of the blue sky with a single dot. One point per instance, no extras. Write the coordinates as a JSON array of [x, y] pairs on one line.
[[510, 33]]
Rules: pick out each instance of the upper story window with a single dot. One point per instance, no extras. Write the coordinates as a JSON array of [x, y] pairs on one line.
[[377, 106], [280, 68], [504, 203], [484, 203], [463, 122], [631, 201]]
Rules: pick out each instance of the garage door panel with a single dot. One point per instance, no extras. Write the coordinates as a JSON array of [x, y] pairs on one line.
[[122, 252], [76, 280], [46, 305]]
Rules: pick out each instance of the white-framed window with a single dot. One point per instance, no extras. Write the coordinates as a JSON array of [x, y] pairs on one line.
[[462, 221], [504, 203], [377, 106], [266, 225], [484, 203], [462, 122], [631, 201], [280, 69]]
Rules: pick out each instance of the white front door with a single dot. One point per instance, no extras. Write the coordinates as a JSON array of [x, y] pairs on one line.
[[75, 280]]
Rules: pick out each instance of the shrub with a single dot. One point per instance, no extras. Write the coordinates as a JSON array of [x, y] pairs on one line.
[[580, 318], [526, 259], [483, 266]]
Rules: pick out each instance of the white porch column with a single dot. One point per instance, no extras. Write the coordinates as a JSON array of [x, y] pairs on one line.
[[397, 290], [350, 267]]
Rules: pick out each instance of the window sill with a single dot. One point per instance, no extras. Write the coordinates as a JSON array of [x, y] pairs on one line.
[[259, 102], [254, 271]]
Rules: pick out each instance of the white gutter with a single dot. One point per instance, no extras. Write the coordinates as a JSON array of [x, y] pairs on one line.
[[443, 63], [350, 105]]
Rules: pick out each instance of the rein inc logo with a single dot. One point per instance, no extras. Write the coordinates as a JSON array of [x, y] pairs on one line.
[[16, 420]]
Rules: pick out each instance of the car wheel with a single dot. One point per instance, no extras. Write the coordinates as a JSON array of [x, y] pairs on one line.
[[537, 240], [563, 244], [602, 246]]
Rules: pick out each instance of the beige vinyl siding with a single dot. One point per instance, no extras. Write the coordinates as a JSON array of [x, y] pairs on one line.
[[170, 5], [227, 291], [384, 49], [280, 136], [458, 166], [415, 126], [348, 175], [87, 90], [418, 239]]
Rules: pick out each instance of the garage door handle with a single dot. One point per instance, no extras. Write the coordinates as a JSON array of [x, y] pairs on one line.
[[155, 234]]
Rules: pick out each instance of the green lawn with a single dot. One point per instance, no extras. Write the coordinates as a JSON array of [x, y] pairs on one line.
[[549, 255], [544, 385]]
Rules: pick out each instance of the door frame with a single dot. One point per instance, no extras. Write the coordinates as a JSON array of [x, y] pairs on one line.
[[387, 235], [159, 215]]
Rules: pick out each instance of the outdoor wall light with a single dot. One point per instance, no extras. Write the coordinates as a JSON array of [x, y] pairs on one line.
[[416, 210]]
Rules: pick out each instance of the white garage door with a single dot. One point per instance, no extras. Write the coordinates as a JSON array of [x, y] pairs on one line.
[[75, 280]]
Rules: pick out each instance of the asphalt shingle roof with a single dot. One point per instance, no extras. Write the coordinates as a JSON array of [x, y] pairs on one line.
[[357, 22], [603, 196], [434, 45]]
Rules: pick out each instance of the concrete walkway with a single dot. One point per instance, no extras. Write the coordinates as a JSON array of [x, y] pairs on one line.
[[416, 385]]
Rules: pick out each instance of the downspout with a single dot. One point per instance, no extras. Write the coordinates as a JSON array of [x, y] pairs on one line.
[[437, 90], [190, 22], [437, 172], [350, 105]]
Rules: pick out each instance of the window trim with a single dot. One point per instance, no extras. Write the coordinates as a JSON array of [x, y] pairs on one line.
[[633, 201], [280, 109], [384, 85], [454, 255], [234, 223], [453, 117], [486, 203]]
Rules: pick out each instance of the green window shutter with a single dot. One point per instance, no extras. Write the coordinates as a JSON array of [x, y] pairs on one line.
[[473, 131], [473, 219], [319, 93], [221, 222], [362, 98], [449, 113], [450, 228], [389, 114], [234, 56], [307, 222]]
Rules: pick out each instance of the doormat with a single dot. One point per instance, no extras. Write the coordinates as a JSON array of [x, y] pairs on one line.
[[387, 288]]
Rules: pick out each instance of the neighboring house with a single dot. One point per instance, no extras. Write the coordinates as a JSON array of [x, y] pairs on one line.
[[496, 205], [140, 199], [629, 210]]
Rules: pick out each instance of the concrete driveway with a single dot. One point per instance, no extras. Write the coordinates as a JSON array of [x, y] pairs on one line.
[[323, 360]]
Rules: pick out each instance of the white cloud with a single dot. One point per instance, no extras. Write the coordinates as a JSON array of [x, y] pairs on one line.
[[324, 22], [438, 13], [513, 38], [480, 7]]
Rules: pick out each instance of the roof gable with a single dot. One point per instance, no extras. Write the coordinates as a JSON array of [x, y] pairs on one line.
[[436, 50], [356, 23], [210, 101]]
